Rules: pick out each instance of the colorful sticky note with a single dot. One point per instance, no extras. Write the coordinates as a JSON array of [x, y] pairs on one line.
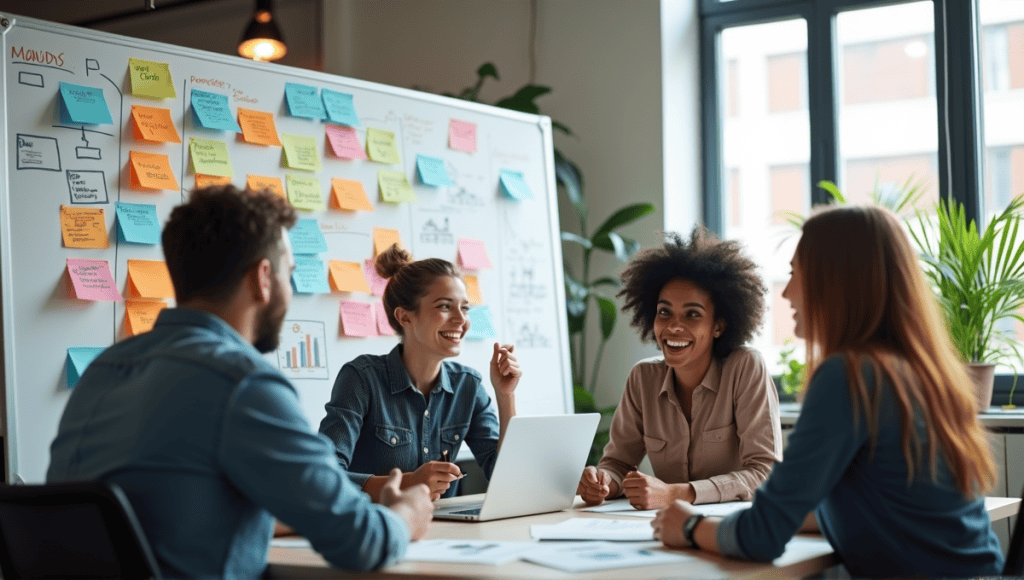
[[473, 290], [308, 277], [151, 79], [304, 192], [340, 108], [79, 358], [210, 157], [462, 135], [347, 277], [301, 152], [261, 182], [473, 254], [432, 171], [481, 325], [137, 223], [381, 146], [383, 326], [377, 284], [258, 127], [80, 104], [395, 187], [350, 195], [153, 124], [303, 101], [151, 171], [357, 319], [211, 111], [91, 280], [307, 238], [513, 184], [149, 279], [383, 239], [344, 142], [140, 315], [203, 180], [83, 227]]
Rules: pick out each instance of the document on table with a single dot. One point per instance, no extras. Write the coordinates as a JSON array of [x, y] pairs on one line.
[[595, 529], [291, 542], [592, 556], [621, 507], [467, 551]]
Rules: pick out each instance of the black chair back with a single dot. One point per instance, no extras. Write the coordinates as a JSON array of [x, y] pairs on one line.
[[1015, 555]]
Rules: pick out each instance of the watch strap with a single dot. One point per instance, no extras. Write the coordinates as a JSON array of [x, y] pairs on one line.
[[689, 527]]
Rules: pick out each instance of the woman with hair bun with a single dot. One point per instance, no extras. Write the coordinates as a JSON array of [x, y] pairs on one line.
[[410, 408]]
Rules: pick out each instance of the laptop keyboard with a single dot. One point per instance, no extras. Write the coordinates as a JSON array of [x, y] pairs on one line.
[[470, 512]]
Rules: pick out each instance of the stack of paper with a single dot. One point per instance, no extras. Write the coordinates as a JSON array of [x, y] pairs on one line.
[[467, 551], [591, 556], [621, 507], [595, 529]]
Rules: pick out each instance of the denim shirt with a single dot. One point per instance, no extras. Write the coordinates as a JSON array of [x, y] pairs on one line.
[[208, 441], [378, 420]]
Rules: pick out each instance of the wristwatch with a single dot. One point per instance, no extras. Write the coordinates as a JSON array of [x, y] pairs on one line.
[[688, 528]]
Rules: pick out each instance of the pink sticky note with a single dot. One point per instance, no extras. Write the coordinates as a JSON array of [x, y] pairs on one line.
[[473, 255], [344, 142], [92, 280], [462, 135], [376, 283], [357, 319], [383, 326]]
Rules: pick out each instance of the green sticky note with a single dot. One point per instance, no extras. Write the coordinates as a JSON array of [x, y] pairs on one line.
[[300, 152], [210, 157], [304, 192], [151, 79], [395, 187], [381, 147]]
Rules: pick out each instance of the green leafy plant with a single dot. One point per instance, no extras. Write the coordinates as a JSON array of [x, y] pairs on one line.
[[794, 372]]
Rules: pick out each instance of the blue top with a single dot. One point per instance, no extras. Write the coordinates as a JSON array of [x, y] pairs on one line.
[[877, 524], [208, 440], [379, 420]]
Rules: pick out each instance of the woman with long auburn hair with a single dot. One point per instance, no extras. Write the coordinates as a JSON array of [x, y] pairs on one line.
[[888, 459]]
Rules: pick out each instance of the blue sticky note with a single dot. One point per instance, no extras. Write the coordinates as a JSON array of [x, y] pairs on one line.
[[211, 111], [307, 238], [513, 184], [432, 171], [309, 276], [79, 358], [304, 101], [80, 104], [481, 325], [340, 108], [137, 223]]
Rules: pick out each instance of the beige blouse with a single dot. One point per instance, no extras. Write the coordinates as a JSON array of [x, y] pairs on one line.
[[730, 447]]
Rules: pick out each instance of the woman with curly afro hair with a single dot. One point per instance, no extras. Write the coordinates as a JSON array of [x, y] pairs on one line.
[[706, 411]]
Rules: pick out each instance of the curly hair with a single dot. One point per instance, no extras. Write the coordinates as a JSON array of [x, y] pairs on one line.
[[719, 267]]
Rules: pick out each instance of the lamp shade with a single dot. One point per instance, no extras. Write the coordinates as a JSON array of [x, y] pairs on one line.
[[262, 39]]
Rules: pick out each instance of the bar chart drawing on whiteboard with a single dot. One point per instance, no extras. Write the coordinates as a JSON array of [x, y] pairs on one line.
[[301, 353]]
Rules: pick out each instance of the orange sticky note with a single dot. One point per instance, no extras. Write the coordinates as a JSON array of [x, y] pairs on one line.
[[141, 315], [347, 277], [350, 195], [151, 171], [258, 182], [83, 227], [473, 290], [203, 180], [153, 124], [258, 127], [149, 279], [383, 239]]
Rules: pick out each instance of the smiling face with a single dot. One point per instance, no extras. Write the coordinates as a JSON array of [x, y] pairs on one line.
[[794, 292], [685, 327], [441, 321]]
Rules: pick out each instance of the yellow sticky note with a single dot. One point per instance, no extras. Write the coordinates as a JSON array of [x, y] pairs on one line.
[[260, 182], [304, 192], [151, 171], [383, 239], [83, 227], [350, 195], [203, 180], [210, 157], [301, 152], [395, 186], [153, 124], [473, 290], [381, 147], [347, 277], [258, 127], [149, 279], [151, 79], [141, 315]]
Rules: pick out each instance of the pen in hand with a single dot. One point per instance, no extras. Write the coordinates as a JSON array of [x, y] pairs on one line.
[[444, 457]]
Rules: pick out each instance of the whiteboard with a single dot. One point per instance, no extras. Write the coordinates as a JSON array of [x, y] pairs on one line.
[[43, 318]]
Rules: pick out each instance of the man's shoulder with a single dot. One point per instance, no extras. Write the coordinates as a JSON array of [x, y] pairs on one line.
[[197, 347]]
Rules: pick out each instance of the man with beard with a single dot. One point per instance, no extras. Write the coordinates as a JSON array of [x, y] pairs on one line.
[[206, 438]]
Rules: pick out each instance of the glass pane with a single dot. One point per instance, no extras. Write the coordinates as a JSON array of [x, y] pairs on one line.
[[766, 157]]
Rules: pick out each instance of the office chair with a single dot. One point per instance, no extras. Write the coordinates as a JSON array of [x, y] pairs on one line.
[[71, 530], [1015, 554]]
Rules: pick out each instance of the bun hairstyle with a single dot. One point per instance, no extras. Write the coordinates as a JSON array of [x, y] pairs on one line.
[[408, 280]]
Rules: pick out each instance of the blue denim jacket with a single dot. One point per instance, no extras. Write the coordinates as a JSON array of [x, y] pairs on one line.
[[378, 420], [208, 440]]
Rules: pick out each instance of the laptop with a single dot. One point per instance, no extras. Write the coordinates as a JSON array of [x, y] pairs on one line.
[[537, 470]]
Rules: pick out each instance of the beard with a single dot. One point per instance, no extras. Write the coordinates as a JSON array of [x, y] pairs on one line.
[[271, 319]]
